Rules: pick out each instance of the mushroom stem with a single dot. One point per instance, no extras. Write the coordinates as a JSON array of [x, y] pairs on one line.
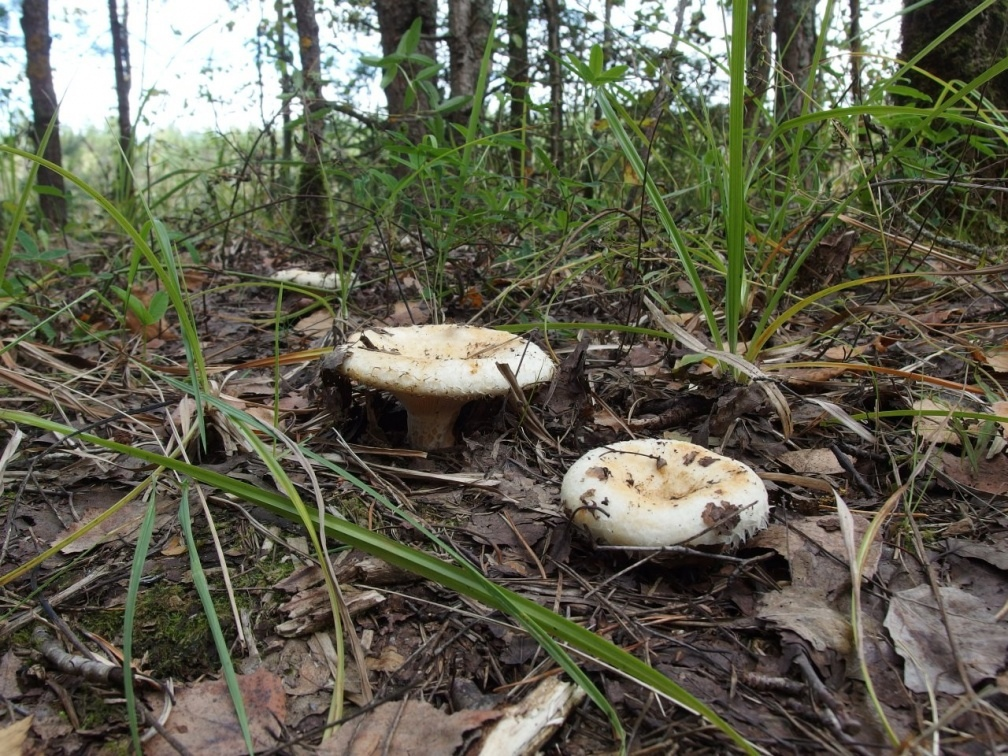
[[430, 421]]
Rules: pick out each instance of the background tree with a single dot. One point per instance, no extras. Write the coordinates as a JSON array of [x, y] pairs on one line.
[[795, 31], [311, 213], [394, 18], [121, 59], [469, 23], [974, 48], [552, 10], [964, 55], [517, 75], [35, 24], [758, 56]]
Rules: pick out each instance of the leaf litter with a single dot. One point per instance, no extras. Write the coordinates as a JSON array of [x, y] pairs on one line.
[[766, 638]]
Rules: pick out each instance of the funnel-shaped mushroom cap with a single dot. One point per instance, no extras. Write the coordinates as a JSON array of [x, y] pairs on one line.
[[435, 369], [652, 492]]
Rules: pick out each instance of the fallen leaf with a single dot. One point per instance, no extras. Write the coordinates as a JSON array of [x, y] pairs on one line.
[[819, 461], [204, 720], [922, 640], [934, 429], [998, 360], [389, 660], [405, 727], [13, 736], [316, 325], [815, 551], [995, 554], [122, 524], [990, 475], [807, 613]]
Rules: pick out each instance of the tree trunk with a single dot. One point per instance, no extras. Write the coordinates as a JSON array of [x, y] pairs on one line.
[[795, 30], [469, 23], [758, 57], [394, 18], [855, 50], [285, 59], [963, 56], [311, 214], [120, 53], [35, 24], [552, 9], [966, 54], [517, 75]]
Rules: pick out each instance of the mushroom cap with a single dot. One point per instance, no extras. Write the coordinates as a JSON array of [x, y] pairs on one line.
[[435, 369], [451, 361], [655, 492]]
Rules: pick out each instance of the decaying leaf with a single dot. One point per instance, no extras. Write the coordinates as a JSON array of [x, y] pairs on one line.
[[405, 727], [204, 720], [807, 613], [13, 736], [807, 461], [934, 429], [921, 638]]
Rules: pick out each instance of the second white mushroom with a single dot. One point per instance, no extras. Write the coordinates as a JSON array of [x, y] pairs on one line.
[[654, 492]]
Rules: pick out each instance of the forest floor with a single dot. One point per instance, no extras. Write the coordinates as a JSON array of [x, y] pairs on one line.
[[763, 635]]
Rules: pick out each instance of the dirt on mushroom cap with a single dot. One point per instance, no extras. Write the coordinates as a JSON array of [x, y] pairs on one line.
[[443, 360], [653, 492]]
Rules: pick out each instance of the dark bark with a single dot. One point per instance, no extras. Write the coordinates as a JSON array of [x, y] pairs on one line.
[[758, 57], [795, 30], [966, 54], [285, 60], [35, 24], [311, 215], [556, 148], [394, 18], [469, 23], [120, 54], [855, 49], [517, 75]]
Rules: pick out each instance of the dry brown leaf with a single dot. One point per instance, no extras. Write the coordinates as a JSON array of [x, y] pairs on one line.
[[934, 429], [845, 352], [204, 720], [809, 614], [405, 727], [316, 325], [12, 737], [416, 312], [998, 360], [990, 476], [815, 550], [389, 660], [921, 638], [123, 524], [819, 461]]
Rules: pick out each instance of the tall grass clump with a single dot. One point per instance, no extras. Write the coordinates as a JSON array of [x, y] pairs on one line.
[[776, 189], [170, 469]]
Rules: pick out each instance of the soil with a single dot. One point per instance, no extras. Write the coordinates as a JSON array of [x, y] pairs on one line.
[[762, 633]]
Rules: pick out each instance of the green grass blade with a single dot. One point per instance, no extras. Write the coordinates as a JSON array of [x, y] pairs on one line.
[[606, 104], [419, 563], [736, 178], [129, 611], [210, 612]]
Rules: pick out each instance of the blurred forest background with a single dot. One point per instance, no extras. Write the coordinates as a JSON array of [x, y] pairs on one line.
[[766, 227], [505, 83]]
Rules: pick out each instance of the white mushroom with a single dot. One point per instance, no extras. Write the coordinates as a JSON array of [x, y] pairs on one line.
[[435, 369], [653, 492]]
